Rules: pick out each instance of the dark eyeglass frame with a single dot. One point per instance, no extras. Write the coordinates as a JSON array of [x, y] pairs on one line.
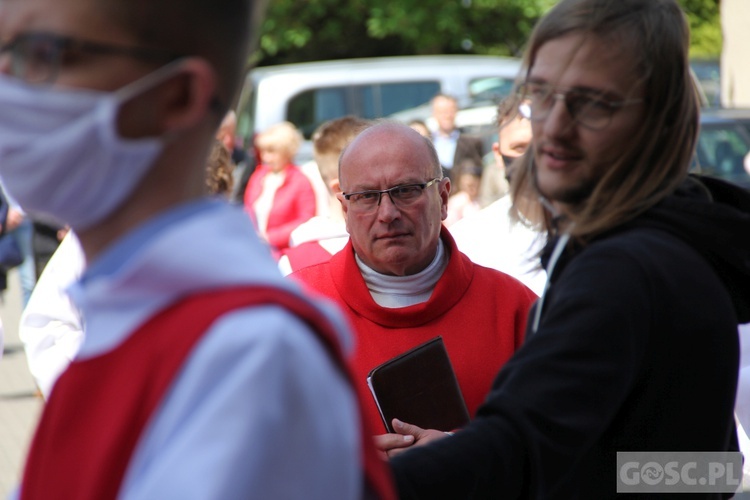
[[53, 47], [587, 100], [421, 185]]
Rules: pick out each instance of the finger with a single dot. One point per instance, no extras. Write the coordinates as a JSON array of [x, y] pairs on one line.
[[386, 442], [407, 429]]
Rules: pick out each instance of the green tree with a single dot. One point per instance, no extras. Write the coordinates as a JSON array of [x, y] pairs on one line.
[[705, 27], [334, 29], [310, 30]]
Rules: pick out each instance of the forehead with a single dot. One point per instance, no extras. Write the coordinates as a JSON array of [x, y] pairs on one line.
[[444, 103], [384, 157], [578, 61], [78, 18]]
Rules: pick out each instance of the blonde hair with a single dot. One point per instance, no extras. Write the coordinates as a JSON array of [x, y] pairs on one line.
[[655, 33], [283, 136]]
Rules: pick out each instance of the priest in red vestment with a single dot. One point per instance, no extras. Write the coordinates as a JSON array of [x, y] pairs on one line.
[[401, 279]]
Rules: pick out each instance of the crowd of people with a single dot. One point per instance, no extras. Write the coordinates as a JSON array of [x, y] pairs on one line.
[[207, 325]]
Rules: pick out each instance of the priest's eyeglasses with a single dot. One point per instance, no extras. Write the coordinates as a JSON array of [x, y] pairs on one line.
[[589, 108], [401, 196]]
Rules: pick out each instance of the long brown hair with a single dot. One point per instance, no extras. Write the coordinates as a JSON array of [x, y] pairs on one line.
[[656, 34]]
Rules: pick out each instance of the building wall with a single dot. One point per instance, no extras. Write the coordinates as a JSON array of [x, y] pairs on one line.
[[735, 56]]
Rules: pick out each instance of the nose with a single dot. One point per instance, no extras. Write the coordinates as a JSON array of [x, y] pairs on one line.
[[559, 123], [387, 210]]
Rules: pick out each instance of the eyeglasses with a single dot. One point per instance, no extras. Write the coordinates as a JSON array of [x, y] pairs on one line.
[[588, 108], [402, 196], [36, 57]]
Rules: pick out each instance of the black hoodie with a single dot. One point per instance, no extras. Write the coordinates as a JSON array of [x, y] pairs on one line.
[[637, 350]]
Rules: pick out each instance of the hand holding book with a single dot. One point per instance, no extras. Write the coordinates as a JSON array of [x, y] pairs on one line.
[[419, 387]]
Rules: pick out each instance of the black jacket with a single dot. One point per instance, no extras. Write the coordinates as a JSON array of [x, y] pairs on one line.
[[637, 350]]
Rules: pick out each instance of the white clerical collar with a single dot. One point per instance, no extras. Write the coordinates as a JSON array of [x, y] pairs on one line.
[[402, 291]]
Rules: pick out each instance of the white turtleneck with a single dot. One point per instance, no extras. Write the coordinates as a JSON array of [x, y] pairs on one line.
[[401, 291]]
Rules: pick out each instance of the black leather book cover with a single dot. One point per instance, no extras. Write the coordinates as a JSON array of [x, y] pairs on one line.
[[419, 387]]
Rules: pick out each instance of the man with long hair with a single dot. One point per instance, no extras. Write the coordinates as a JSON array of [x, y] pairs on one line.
[[633, 346]]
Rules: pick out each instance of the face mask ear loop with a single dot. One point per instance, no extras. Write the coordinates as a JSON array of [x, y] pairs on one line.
[[134, 89], [149, 81]]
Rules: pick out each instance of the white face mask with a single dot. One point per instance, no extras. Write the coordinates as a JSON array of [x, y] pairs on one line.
[[61, 156]]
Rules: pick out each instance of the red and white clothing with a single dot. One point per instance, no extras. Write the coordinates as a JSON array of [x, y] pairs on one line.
[[480, 313], [258, 409], [279, 202], [312, 243], [51, 327]]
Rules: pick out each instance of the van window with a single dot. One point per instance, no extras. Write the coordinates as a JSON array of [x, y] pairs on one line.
[[389, 98], [309, 109], [312, 107], [491, 89]]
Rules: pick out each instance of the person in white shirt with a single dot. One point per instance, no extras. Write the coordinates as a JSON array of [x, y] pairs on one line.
[[493, 237], [452, 145]]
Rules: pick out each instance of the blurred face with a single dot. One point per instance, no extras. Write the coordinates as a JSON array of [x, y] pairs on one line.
[[86, 20], [469, 184], [393, 239], [225, 134], [571, 158], [275, 157], [444, 111], [514, 138], [80, 19]]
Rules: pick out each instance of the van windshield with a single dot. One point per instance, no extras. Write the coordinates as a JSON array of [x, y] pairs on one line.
[[311, 108]]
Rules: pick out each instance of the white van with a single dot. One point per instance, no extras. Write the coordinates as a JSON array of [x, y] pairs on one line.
[[307, 94]]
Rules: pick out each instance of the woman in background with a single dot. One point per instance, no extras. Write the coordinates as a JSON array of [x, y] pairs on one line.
[[278, 196]]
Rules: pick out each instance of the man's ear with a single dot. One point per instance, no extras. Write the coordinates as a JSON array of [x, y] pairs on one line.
[[445, 192], [188, 97], [335, 186], [182, 100], [344, 206], [498, 157]]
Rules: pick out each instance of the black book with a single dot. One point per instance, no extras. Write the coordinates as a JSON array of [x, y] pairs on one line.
[[419, 387]]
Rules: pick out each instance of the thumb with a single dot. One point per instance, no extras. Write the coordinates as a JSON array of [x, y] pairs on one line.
[[407, 429]]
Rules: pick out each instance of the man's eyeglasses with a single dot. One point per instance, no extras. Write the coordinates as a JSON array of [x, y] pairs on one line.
[[36, 57], [590, 109], [402, 196]]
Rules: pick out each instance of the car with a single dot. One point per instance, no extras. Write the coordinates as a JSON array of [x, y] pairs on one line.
[[723, 148], [400, 88], [707, 72]]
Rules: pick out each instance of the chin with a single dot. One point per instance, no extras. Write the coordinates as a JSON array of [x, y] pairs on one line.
[[569, 195]]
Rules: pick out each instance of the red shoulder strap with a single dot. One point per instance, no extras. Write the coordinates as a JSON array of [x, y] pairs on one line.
[[306, 254], [100, 406]]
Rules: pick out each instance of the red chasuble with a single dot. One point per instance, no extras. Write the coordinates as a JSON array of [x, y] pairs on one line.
[[480, 313]]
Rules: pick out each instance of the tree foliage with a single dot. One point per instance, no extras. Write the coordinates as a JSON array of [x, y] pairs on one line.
[[310, 30], [705, 27]]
